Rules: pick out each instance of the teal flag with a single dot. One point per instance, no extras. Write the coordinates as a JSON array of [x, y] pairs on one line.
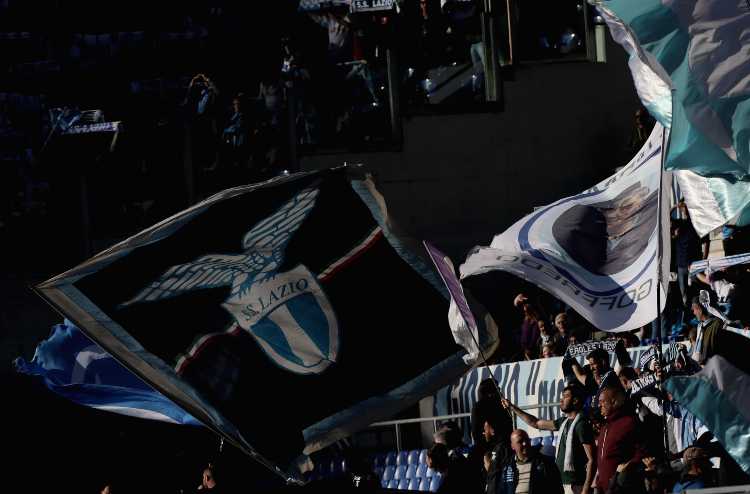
[[689, 61], [718, 396]]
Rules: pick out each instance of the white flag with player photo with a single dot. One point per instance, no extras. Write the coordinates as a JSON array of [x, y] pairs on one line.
[[598, 251]]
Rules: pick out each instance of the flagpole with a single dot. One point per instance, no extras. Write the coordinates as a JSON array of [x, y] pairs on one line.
[[471, 330], [487, 366], [659, 315]]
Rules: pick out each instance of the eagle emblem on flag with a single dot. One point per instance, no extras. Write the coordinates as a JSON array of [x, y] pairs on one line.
[[286, 312]]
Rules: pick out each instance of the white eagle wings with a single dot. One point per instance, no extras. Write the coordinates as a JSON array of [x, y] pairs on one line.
[[264, 245]]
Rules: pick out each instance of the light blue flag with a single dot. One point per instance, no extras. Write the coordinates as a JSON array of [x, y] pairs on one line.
[[690, 64], [74, 367], [718, 396]]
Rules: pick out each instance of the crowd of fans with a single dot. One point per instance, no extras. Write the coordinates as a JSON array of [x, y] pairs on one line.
[[615, 434], [620, 431]]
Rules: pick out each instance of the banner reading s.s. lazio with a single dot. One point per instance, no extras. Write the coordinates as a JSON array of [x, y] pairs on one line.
[[529, 383], [596, 251]]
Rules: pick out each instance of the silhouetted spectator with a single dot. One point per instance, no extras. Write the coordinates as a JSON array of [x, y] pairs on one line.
[[686, 248], [452, 479], [210, 480], [496, 454], [461, 471], [529, 327], [200, 103], [488, 408], [236, 135]]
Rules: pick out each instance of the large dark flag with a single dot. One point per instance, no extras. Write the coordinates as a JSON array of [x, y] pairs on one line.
[[283, 315]]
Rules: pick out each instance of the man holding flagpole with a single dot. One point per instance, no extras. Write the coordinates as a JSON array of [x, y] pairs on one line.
[[576, 455]]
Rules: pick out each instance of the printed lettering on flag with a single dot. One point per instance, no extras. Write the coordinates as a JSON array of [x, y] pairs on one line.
[[273, 313], [598, 250]]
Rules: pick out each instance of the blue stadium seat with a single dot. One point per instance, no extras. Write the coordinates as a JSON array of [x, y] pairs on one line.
[[323, 468], [435, 482], [421, 470], [430, 473], [403, 484], [379, 471], [414, 484], [390, 458], [335, 468], [423, 456], [425, 485], [393, 484], [413, 457], [388, 473], [411, 471], [400, 472], [378, 460], [402, 458], [536, 441], [311, 476]]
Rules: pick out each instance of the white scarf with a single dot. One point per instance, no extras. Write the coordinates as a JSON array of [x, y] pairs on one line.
[[569, 467], [697, 352]]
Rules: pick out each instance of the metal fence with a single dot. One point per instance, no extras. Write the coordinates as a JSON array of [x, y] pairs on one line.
[[440, 418]]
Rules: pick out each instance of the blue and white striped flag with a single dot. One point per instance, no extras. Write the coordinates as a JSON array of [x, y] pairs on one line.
[[76, 368], [689, 61]]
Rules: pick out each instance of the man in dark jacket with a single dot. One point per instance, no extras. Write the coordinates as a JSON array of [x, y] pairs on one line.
[[459, 469], [526, 471], [488, 408], [498, 451]]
